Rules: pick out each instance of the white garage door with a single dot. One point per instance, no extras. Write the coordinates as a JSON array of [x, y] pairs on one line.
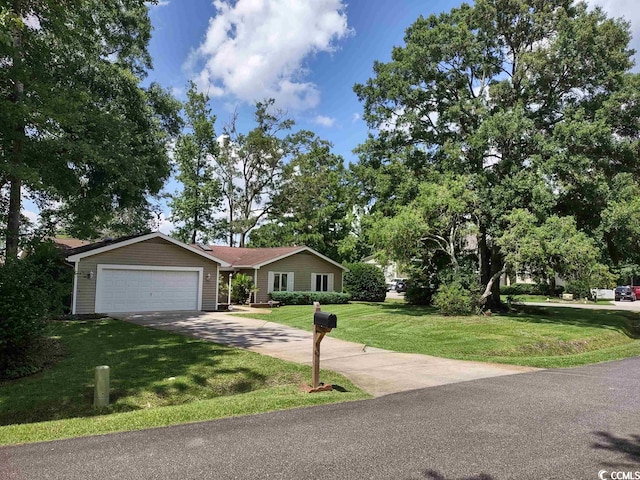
[[146, 290]]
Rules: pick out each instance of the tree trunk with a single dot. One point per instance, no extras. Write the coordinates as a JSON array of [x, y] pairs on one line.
[[491, 268], [17, 147]]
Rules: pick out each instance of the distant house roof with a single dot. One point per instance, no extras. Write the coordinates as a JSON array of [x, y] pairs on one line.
[[258, 257], [70, 243]]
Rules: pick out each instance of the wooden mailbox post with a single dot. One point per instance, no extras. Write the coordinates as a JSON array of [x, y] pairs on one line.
[[319, 331]]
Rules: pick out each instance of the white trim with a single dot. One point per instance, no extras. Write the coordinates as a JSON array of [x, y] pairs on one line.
[[301, 249], [217, 292], [271, 277], [74, 307], [101, 267], [314, 280], [255, 285], [142, 238]]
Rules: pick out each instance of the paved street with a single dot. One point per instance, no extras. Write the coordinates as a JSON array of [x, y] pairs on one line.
[[551, 424]]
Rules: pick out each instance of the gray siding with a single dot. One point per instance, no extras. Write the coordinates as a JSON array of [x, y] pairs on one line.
[[152, 252], [302, 265]]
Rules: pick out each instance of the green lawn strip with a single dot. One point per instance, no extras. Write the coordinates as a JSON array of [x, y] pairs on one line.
[[267, 400], [545, 299], [153, 374], [533, 336]]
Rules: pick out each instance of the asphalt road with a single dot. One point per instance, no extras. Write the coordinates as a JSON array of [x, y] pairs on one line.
[[556, 424]]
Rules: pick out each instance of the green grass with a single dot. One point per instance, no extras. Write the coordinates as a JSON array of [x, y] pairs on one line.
[[533, 336], [543, 299], [157, 379]]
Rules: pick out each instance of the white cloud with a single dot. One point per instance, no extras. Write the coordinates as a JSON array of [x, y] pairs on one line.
[[324, 121], [256, 49], [356, 116], [33, 217], [627, 9]]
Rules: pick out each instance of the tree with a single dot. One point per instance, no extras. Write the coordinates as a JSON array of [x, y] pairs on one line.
[[198, 202], [554, 246], [520, 96], [251, 168], [77, 132], [312, 207]]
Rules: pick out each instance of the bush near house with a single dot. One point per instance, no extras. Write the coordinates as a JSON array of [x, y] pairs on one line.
[[365, 282], [241, 288], [31, 290], [307, 298], [455, 299], [530, 289]]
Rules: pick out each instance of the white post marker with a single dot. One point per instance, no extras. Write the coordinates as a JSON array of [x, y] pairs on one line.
[[101, 391]]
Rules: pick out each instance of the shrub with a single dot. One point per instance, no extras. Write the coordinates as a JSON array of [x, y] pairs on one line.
[[454, 299], [241, 288], [23, 307], [530, 289], [307, 298], [365, 282], [418, 293]]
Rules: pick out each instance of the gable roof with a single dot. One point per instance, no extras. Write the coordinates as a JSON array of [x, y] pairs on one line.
[[258, 257], [96, 248], [70, 243]]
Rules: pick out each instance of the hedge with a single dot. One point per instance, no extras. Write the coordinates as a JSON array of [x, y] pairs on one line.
[[365, 282], [529, 289], [307, 298]]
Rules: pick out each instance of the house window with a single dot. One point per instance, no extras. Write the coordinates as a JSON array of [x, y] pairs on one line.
[[322, 282], [280, 282]]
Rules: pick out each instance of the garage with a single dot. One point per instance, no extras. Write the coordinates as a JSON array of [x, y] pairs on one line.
[[143, 273], [147, 288]]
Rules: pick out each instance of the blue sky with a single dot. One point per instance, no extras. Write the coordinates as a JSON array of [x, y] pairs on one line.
[[307, 54]]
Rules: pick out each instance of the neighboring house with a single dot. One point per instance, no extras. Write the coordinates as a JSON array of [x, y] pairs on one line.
[[391, 271], [290, 269], [154, 272]]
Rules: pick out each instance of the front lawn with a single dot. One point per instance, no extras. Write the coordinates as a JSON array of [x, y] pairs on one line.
[[157, 378], [533, 336]]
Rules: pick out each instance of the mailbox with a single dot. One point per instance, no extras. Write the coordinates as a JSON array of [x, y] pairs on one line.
[[326, 320]]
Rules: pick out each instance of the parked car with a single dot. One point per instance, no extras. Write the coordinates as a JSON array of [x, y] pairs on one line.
[[392, 284], [401, 286], [624, 293]]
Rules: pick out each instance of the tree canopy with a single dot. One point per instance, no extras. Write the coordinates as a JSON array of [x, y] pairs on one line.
[[78, 134], [524, 99]]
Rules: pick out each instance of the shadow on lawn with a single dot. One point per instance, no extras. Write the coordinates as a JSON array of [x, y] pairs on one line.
[[171, 368], [625, 322]]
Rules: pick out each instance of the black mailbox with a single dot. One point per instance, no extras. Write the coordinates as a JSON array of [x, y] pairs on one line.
[[326, 320]]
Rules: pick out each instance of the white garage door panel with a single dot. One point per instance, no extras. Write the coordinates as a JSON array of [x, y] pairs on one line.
[[122, 290]]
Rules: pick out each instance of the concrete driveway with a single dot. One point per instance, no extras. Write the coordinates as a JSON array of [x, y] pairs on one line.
[[374, 370]]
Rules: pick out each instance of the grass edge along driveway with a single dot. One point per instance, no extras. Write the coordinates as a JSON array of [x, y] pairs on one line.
[[544, 337], [157, 379]]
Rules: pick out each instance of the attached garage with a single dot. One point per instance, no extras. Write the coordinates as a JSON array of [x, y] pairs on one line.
[[145, 273], [125, 288]]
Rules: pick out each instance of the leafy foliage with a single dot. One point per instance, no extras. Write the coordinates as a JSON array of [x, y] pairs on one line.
[[530, 289], [241, 288], [77, 132], [365, 282], [195, 206], [455, 299], [531, 101], [312, 207], [31, 290], [307, 298]]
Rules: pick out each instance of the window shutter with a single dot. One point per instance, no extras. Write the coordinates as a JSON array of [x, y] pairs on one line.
[[290, 282], [313, 282], [330, 283], [270, 280]]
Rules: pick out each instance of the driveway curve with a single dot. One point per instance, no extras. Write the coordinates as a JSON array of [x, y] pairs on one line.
[[374, 370]]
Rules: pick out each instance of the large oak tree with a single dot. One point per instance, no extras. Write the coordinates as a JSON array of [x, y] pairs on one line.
[[532, 100]]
